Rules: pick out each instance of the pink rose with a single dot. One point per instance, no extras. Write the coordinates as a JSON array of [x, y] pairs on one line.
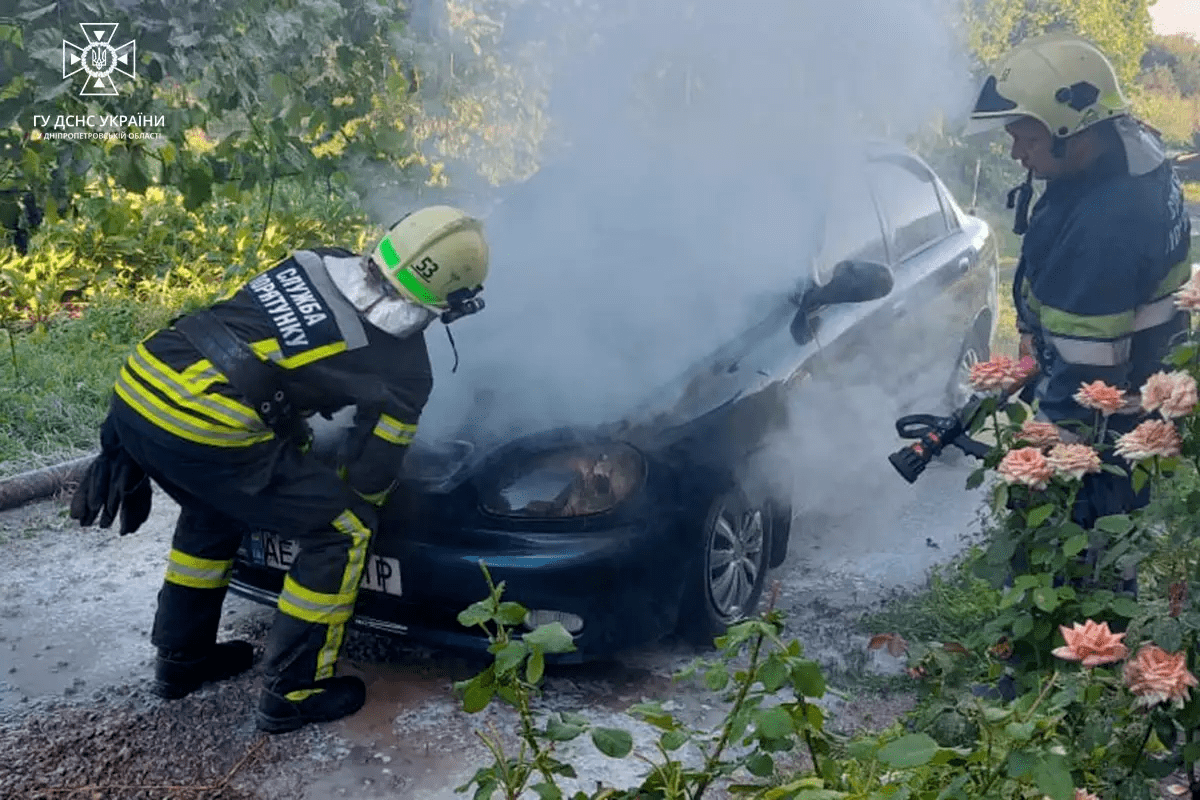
[[1026, 466]]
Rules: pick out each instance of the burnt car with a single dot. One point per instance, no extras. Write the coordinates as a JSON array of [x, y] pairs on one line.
[[628, 531]]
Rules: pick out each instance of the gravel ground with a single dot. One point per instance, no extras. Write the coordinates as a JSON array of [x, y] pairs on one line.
[[77, 719]]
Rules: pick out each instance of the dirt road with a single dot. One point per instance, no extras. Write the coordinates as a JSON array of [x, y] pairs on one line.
[[76, 713]]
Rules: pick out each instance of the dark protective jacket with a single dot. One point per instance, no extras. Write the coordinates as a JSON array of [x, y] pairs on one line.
[[331, 357], [1103, 253]]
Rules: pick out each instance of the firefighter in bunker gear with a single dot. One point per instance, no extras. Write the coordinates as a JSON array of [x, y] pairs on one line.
[[211, 408], [1106, 244]]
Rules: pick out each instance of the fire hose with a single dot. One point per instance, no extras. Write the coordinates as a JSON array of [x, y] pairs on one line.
[[933, 435]]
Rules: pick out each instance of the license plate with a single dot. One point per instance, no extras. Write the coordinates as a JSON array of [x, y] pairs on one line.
[[380, 574]]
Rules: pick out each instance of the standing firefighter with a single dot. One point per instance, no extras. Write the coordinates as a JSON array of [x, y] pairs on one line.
[[213, 408], [1106, 243]]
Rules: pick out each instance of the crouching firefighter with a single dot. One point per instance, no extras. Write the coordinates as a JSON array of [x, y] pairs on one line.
[[1106, 244], [213, 407]]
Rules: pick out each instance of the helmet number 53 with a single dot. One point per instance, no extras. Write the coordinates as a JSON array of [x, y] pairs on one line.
[[426, 267]]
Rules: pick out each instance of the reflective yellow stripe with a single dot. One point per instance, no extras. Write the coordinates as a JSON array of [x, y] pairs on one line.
[[146, 403], [348, 523], [198, 573], [302, 694], [309, 356], [1177, 277], [394, 431], [163, 378], [318, 607]]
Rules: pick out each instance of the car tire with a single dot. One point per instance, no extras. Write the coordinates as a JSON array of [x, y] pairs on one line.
[[975, 349], [728, 574]]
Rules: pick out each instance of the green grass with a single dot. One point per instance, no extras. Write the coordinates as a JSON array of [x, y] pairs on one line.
[[55, 396], [953, 605]]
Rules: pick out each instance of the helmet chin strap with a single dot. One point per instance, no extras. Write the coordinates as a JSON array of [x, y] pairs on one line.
[[1020, 198]]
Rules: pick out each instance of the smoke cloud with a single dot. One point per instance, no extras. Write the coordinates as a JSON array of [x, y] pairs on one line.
[[682, 185]]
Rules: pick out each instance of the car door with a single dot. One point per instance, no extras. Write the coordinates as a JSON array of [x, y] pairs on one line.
[[929, 311], [847, 335]]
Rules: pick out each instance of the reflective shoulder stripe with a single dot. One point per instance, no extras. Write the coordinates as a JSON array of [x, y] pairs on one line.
[[142, 400], [197, 573], [309, 356], [394, 431], [1091, 352], [317, 607], [349, 323], [269, 348]]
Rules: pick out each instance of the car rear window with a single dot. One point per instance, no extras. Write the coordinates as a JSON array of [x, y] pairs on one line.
[[912, 206]]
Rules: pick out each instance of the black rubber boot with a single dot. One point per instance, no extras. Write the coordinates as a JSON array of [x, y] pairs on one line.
[[324, 701], [178, 674]]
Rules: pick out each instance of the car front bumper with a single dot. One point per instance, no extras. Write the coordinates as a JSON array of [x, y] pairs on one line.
[[625, 581]]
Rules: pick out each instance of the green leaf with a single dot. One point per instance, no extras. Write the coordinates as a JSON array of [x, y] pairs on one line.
[[1016, 412], [1021, 626], [1045, 599], [511, 613], [716, 678], [279, 84], [1119, 524], [975, 479], [546, 791], [673, 740], [773, 723], [1054, 779], [477, 613], [1140, 476], [535, 667], [1000, 500], [550, 638], [773, 675], [477, 696], [1075, 545], [912, 750], [197, 189], [561, 729], [613, 742], [1036, 516], [760, 765], [510, 657], [1125, 606], [1020, 764], [807, 680], [1021, 731]]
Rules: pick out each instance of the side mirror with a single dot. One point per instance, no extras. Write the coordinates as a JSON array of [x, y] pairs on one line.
[[851, 282]]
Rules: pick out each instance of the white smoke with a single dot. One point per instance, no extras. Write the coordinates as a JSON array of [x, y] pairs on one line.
[[684, 174]]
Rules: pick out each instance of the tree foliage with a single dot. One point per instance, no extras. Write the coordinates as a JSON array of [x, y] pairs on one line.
[[1120, 28], [303, 87]]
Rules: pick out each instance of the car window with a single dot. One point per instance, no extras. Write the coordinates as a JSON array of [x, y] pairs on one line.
[[852, 229], [911, 205]]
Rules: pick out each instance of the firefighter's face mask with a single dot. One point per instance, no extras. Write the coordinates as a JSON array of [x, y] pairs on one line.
[[365, 287]]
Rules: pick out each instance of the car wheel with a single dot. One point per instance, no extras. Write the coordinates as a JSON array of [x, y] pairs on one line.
[[974, 350], [727, 580]]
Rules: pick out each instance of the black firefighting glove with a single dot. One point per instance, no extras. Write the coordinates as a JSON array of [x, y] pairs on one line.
[[114, 484]]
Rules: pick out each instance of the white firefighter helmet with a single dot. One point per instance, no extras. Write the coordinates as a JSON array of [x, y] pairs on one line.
[[434, 256], [1060, 79]]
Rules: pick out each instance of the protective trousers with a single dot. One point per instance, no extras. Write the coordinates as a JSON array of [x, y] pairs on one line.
[[225, 492]]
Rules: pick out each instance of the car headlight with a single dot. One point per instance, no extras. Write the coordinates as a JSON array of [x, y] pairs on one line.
[[574, 482]]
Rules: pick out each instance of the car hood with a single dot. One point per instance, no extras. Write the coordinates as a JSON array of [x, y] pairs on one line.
[[765, 353]]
